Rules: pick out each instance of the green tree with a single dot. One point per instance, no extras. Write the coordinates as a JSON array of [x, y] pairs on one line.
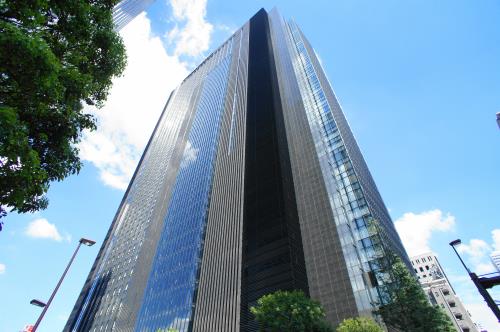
[[359, 324], [404, 306], [408, 309], [55, 56], [288, 311]]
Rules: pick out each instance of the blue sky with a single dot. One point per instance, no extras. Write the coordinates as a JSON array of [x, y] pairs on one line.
[[419, 82]]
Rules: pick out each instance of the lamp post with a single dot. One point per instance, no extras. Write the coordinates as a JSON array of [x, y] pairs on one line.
[[45, 306], [38, 303], [477, 282]]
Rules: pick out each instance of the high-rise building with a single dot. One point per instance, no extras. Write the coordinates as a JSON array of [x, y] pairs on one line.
[[126, 10], [440, 292], [252, 182]]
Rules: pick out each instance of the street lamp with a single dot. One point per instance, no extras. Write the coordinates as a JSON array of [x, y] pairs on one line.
[[87, 242], [45, 306], [38, 303], [456, 243], [478, 282]]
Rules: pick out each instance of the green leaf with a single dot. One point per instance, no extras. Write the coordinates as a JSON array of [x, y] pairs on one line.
[[359, 324], [54, 56], [289, 311]]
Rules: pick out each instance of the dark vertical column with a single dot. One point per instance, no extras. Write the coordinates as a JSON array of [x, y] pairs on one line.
[[272, 247]]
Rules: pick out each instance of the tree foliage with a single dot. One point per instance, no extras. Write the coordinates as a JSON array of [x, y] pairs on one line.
[[404, 305], [55, 56], [409, 310], [359, 324], [288, 311]]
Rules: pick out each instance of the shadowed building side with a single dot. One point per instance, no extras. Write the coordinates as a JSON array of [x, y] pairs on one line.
[[272, 244]]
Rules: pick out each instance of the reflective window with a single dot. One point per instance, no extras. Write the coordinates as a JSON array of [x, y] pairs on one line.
[[170, 294]]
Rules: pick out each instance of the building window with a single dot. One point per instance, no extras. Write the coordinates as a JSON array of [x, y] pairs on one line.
[[458, 315], [427, 267], [421, 269], [452, 304], [446, 292]]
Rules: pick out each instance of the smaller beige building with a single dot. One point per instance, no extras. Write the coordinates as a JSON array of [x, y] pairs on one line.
[[440, 292]]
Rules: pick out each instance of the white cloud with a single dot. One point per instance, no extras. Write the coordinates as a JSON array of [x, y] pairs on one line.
[[193, 37], [484, 268], [2, 268], [190, 154], [476, 248], [133, 106], [477, 252], [495, 234], [416, 230], [42, 229]]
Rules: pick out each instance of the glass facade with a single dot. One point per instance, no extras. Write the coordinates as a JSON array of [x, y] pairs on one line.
[[184, 138], [126, 10], [102, 299], [170, 292], [251, 182], [356, 204], [344, 191]]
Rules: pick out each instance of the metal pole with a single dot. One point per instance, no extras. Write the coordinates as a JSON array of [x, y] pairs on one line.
[[55, 290], [465, 266], [486, 296], [484, 293]]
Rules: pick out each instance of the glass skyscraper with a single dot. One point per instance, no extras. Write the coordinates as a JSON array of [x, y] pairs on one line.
[[251, 182], [126, 10]]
